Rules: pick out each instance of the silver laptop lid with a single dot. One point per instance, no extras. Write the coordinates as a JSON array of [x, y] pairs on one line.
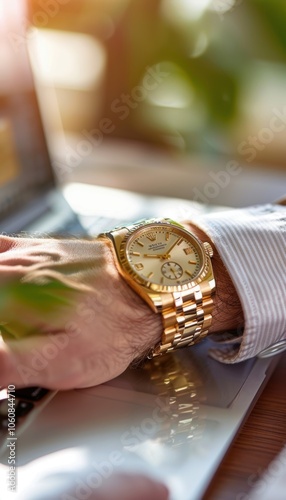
[[25, 168]]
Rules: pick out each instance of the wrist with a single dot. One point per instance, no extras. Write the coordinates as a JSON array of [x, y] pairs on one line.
[[227, 310], [140, 327]]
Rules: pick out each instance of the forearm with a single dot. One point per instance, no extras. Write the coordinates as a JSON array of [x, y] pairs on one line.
[[250, 272], [227, 312], [105, 324]]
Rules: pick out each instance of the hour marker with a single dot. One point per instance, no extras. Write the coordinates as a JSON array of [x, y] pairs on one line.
[[140, 243], [150, 275], [188, 250], [167, 236], [162, 280], [136, 254], [192, 261], [151, 236], [179, 241], [139, 266], [189, 274]]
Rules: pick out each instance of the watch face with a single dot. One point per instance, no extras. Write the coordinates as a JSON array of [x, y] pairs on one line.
[[164, 255]]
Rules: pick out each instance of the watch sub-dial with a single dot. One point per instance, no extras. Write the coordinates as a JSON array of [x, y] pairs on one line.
[[172, 270]]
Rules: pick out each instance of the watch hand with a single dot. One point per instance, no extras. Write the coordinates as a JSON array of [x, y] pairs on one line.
[[157, 255], [172, 246], [165, 255], [173, 272]]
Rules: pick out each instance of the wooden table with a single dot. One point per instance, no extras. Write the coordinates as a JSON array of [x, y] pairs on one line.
[[260, 440]]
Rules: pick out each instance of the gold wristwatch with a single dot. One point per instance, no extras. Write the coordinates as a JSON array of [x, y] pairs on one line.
[[171, 270]]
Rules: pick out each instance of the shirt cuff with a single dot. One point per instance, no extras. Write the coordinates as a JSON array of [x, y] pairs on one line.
[[252, 244]]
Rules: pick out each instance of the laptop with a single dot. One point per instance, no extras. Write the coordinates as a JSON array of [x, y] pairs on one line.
[[174, 417]]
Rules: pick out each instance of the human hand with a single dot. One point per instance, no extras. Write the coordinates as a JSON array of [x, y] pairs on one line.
[[68, 318]]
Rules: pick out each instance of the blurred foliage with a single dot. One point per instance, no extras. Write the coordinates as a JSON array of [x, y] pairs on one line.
[[38, 305], [212, 54]]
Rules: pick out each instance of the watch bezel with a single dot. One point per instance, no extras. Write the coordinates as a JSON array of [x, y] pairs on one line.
[[132, 275]]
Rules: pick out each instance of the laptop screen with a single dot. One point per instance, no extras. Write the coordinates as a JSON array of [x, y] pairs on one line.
[[25, 168]]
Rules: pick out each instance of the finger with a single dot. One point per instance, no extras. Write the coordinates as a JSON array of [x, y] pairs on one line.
[[63, 359], [53, 361], [17, 255], [15, 244], [81, 260], [6, 243], [37, 306]]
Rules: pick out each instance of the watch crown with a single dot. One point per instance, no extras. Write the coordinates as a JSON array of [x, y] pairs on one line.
[[208, 248]]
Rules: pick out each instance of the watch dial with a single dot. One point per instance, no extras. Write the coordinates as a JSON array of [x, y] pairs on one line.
[[164, 255]]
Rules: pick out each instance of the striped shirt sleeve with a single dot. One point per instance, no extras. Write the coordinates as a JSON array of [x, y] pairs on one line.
[[252, 245]]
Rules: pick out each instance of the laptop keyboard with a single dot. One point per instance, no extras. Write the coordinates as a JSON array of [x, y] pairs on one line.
[[88, 225], [71, 227], [16, 407]]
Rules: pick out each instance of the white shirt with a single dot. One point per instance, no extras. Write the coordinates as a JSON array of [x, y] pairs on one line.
[[252, 244]]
